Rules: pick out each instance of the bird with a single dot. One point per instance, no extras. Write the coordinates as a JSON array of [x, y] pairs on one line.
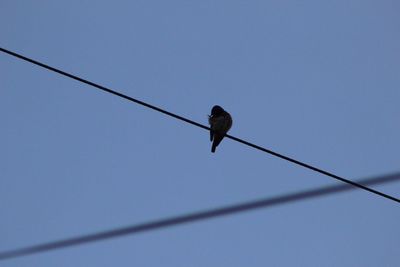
[[220, 122]]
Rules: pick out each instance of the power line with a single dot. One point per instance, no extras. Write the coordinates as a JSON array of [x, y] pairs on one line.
[[198, 124], [193, 217]]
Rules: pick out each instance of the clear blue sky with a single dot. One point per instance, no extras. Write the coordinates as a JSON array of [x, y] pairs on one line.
[[315, 80]]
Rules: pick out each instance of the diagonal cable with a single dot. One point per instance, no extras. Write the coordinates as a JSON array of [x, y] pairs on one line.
[[103, 88], [194, 217]]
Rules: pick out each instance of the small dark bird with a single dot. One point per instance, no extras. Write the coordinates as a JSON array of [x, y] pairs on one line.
[[220, 122]]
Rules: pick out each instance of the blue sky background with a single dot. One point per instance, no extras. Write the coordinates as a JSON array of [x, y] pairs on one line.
[[315, 80]]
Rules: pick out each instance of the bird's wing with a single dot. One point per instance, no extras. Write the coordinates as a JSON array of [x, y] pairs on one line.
[[227, 122], [217, 124]]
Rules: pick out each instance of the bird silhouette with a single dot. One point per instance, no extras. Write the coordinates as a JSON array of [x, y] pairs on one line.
[[220, 122]]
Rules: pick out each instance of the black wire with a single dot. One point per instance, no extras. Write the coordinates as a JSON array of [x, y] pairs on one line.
[[193, 217], [199, 125]]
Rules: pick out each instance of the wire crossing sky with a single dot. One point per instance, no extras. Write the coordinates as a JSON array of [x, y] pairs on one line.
[[199, 125], [194, 217]]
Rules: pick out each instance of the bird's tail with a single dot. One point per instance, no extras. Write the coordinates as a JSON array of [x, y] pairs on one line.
[[213, 147], [217, 139]]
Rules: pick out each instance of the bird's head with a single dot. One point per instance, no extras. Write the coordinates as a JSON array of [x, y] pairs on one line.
[[216, 110]]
